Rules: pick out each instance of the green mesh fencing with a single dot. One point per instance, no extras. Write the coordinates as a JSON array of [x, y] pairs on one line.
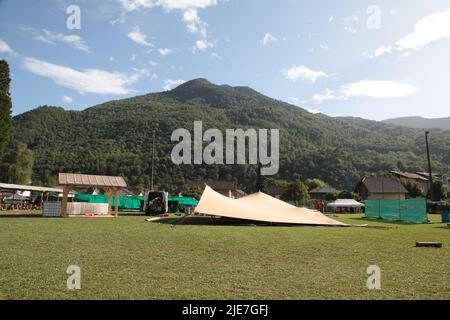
[[185, 201], [130, 202], [410, 210], [372, 209], [125, 202], [390, 210], [413, 210]]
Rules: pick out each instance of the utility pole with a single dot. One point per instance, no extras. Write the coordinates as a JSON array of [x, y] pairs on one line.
[[430, 174], [153, 162]]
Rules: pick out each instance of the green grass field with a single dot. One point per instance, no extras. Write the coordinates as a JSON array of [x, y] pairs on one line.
[[129, 258]]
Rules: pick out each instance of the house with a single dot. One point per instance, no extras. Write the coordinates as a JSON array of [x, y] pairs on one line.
[[377, 188], [226, 188], [444, 178], [419, 179], [320, 193]]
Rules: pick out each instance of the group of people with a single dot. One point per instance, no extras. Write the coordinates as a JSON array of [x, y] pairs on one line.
[[24, 206]]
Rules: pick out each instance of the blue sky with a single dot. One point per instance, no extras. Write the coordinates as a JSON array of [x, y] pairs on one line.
[[371, 59]]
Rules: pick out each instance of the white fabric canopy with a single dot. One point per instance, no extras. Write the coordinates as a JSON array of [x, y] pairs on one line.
[[345, 203], [260, 207]]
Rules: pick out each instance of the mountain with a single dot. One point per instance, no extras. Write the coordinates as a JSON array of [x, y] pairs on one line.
[[421, 123], [115, 138]]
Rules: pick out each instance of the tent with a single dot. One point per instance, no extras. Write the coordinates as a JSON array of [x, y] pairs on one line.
[[16, 199], [345, 203], [260, 207]]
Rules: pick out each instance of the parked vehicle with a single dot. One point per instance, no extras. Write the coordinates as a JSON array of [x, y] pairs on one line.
[[156, 203]]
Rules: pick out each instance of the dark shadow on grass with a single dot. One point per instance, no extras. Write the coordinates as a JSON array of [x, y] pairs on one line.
[[381, 227], [401, 223], [444, 227], [209, 221], [222, 221]]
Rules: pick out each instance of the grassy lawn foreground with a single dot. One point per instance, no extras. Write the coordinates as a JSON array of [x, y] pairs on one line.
[[132, 259]]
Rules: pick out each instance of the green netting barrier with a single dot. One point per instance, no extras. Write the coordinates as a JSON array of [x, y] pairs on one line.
[[372, 209], [125, 202], [130, 202], [414, 210], [410, 210], [185, 201]]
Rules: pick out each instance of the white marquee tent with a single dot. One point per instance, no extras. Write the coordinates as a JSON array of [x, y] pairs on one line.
[[260, 207], [345, 203]]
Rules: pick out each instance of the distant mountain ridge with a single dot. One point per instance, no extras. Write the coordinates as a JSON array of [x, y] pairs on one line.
[[115, 138], [421, 123]]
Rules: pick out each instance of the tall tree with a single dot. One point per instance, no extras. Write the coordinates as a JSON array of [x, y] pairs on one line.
[[315, 183], [17, 165], [439, 193], [5, 104], [297, 192]]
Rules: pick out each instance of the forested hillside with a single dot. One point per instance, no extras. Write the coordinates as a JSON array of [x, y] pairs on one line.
[[421, 123], [115, 138]]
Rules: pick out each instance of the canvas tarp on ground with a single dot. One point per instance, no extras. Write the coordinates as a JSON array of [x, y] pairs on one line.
[[260, 207], [410, 210]]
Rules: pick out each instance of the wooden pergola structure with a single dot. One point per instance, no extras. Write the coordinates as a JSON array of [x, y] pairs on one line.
[[111, 186]]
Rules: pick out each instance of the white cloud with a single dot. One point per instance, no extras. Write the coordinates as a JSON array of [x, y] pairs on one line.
[[164, 51], [303, 72], [194, 23], [85, 81], [169, 84], [324, 46], [366, 88], [326, 96], [202, 45], [351, 23], [73, 40], [268, 37], [427, 30], [380, 51], [137, 36], [132, 5], [296, 101], [5, 48], [67, 99], [378, 89], [189, 8]]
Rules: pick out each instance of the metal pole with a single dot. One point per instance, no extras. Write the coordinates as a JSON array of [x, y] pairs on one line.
[[399, 204], [153, 161], [430, 174]]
